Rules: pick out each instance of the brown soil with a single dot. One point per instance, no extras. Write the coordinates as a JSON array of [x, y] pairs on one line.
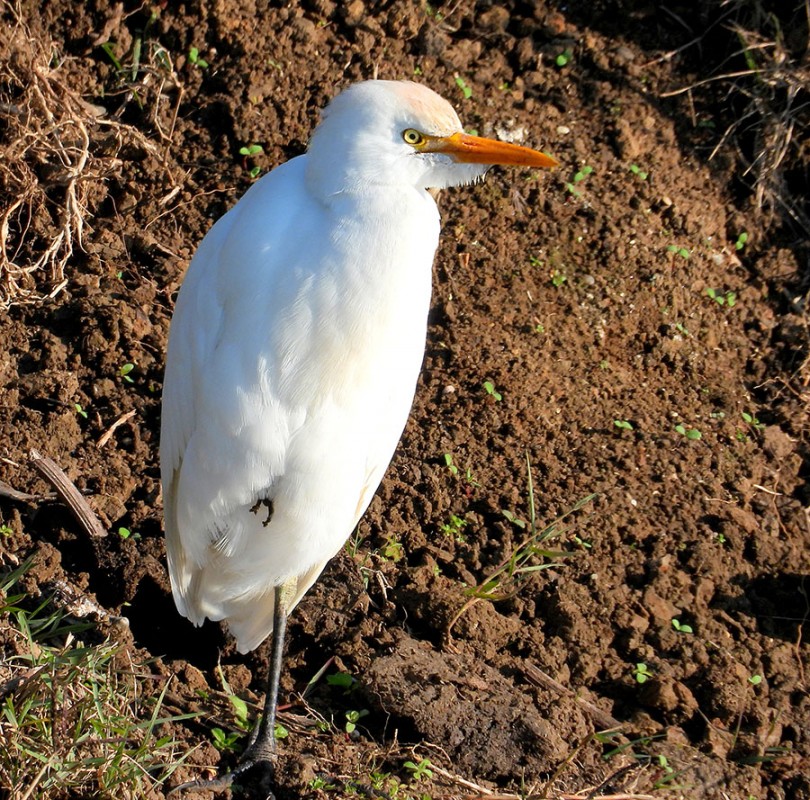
[[565, 295]]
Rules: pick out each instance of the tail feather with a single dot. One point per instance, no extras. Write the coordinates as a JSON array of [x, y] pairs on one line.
[[249, 616]]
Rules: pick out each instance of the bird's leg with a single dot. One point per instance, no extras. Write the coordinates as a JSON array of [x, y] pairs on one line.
[[261, 747], [262, 744]]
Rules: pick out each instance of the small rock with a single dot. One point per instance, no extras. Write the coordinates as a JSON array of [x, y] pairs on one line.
[[495, 20], [777, 443], [658, 607], [354, 12]]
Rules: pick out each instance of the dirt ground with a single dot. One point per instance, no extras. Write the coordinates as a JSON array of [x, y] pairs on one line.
[[616, 289]]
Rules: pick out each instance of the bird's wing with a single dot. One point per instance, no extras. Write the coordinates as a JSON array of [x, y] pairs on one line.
[[216, 448], [293, 357]]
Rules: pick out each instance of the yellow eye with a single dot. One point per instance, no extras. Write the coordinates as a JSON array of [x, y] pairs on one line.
[[413, 137]]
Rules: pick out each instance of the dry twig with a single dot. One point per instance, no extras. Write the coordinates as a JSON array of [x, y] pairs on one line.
[[78, 506]]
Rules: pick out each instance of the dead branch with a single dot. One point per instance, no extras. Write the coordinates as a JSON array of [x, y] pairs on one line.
[[78, 506]]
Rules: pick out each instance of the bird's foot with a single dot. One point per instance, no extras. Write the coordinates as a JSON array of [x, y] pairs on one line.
[[255, 758]]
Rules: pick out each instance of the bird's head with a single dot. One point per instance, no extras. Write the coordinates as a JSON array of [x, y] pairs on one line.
[[402, 133]]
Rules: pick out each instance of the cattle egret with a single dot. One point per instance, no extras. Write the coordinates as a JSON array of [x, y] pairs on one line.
[[293, 357]]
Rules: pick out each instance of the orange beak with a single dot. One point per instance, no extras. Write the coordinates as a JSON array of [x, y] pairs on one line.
[[477, 150]]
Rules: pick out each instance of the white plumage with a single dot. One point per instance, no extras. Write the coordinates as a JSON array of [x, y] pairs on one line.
[[295, 348]]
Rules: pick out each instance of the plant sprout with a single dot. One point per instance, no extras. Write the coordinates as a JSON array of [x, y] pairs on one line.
[[690, 433], [462, 84], [195, 60], [489, 388]]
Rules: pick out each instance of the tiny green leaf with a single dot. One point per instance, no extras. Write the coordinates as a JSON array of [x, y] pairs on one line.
[[563, 58], [489, 387], [465, 90]]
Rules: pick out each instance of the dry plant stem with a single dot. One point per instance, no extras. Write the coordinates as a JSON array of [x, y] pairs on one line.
[[107, 435], [607, 797], [14, 685], [21, 497], [601, 718], [78, 506]]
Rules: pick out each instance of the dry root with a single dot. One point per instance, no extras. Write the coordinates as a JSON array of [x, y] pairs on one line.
[[56, 150]]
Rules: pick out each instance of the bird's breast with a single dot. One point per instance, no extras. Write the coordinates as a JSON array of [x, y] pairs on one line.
[[361, 308]]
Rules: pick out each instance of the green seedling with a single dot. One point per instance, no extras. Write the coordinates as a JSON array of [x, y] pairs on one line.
[[681, 251], [124, 371], [249, 151], [454, 528], [433, 12], [681, 627], [77, 407], [468, 474], [638, 172], [623, 424], [225, 742], [353, 544], [420, 771], [690, 433], [322, 785], [578, 178], [352, 718], [393, 550], [489, 388], [342, 680], [755, 680], [462, 84], [280, 732], [6, 530], [240, 712], [669, 773], [195, 60], [558, 278], [126, 533], [751, 420], [109, 49], [727, 299], [742, 239], [528, 557], [564, 58], [641, 673], [516, 521]]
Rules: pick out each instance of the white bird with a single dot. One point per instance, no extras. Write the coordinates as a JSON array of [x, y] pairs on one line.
[[293, 357]]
